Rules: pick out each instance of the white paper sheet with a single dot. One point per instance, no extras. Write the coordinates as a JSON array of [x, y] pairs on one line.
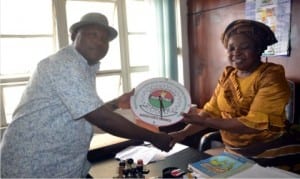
[[147, 153]]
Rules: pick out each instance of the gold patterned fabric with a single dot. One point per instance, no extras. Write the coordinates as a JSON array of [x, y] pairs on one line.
[[258, 101]]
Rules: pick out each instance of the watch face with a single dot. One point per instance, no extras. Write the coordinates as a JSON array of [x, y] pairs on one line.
[[160, 101]]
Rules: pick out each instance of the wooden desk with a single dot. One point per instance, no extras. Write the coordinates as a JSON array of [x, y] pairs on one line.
[[107, 168]]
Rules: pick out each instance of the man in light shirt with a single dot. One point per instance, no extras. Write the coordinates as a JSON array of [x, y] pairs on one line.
[[51, 129]]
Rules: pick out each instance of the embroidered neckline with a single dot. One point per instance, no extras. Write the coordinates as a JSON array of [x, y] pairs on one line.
[[232, 91]]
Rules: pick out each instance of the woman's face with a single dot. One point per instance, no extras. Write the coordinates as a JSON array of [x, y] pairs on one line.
[[242, 53], [92, 43]]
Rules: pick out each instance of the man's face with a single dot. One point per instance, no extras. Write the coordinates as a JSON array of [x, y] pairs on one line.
[[91, 41]]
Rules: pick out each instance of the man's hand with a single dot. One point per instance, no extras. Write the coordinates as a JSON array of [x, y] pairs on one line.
[[177, 136], [163, 141], [124, 100]]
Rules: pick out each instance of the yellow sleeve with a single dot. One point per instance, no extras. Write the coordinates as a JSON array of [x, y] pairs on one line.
[[267, 110], [212, 105]]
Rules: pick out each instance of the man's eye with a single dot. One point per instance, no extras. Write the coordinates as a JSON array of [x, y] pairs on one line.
[[93, 34], [90, 33]]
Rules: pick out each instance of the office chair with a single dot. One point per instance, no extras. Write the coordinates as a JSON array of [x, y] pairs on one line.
[[213, 140]]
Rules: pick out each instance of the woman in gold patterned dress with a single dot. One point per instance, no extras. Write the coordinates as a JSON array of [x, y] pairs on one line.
[[248, 104]]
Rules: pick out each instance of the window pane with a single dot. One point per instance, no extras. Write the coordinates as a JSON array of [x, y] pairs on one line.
[[11, 97], [109, 87], [20, 55], [26, 17], [138, 77], [136, 14], [139, 51], [76, 9]]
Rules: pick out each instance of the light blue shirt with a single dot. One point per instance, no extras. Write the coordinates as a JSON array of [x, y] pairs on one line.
[[48, 136]]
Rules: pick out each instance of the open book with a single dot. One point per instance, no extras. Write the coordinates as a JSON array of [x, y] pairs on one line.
[[222, 165]]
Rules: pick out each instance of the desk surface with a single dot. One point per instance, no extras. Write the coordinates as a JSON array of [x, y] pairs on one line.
[[108, 168]]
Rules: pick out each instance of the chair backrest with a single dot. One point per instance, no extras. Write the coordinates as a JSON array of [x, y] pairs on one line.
[[290, 107]]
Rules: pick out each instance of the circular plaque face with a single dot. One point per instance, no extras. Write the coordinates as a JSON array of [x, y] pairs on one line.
[[160, 101]]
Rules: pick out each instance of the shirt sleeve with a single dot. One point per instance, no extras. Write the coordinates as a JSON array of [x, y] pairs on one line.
[[267, 110]]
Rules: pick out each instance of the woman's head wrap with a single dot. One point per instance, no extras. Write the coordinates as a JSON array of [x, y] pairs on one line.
[[260, 33]]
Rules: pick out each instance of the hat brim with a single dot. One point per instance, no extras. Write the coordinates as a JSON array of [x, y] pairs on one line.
[[111, 31]]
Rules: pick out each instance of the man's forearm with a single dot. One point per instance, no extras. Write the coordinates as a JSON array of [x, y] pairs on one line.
[[112, 105], [114, 123]]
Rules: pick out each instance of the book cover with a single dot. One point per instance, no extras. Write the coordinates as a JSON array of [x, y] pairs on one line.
[[222, 165]]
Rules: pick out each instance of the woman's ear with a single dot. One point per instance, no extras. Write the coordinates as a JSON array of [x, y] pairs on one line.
[[259, 50]]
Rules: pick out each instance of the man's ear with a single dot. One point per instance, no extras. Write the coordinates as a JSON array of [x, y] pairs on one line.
[[73, 35]]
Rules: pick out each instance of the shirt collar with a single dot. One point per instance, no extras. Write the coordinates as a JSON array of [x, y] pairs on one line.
[[94, 67]]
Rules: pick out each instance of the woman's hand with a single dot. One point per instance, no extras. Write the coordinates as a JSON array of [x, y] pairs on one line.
[[193, 118], [124, 100], [194, 110]]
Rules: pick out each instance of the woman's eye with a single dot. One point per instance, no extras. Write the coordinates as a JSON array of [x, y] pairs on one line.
[[242, 47], [230, 49]]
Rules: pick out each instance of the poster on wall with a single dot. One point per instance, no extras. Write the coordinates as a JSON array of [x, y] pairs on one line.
[[277, 15]]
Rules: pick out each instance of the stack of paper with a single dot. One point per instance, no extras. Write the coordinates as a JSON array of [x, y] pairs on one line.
[[147, 153]]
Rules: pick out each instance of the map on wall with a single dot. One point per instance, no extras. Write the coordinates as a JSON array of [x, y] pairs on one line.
[[276, 14]]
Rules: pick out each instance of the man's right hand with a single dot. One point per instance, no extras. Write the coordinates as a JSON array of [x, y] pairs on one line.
[[177, 136], [162, 141]]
